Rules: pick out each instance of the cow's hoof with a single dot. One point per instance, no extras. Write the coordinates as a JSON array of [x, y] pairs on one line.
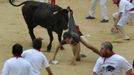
[[62, 48], [49, 48]]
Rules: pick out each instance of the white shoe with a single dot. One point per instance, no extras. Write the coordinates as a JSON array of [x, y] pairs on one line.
[[126, 38]]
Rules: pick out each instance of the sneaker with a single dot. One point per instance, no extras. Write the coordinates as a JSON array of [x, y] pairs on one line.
[[126, 38], [90, 17], [104, 21], [83, 55]]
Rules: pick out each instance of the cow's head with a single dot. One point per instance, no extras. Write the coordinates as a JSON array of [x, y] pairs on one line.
[[62, 17], [65, 18]]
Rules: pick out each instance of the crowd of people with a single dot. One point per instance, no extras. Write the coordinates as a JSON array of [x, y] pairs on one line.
[[30, 62], [27, 62]]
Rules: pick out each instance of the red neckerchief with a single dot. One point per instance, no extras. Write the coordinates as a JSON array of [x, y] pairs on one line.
[[78, 28], [17, 56], [38, 50], [108, 56], [53, 2]]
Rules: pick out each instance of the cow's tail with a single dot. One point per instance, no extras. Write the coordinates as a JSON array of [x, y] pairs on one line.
[[11, 2]]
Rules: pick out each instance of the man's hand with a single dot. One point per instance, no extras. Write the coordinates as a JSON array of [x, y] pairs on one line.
[[114, 29], [73, 63]]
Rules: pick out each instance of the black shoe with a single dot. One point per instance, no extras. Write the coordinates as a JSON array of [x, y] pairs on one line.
[[90, 17], [83, 55], [104, 21], [78, 59]]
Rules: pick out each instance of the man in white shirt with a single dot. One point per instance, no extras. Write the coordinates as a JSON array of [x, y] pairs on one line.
[[17, 65], [37, 58], [103, 10], [125, 13], [111, 63]]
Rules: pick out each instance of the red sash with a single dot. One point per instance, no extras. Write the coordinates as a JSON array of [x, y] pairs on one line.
[[78, 28], [53, 2], [132, 9]]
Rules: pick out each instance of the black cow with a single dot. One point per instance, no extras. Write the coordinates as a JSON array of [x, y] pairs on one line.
[[52, 17]]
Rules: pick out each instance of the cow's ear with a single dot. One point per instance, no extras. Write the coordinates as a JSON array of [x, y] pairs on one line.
[[68, 8]]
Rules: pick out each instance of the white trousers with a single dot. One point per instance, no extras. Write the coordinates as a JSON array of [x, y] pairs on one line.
[[125, 17], [103, 8]]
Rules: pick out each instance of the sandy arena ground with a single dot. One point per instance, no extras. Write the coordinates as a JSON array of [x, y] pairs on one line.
[[14, 30]]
